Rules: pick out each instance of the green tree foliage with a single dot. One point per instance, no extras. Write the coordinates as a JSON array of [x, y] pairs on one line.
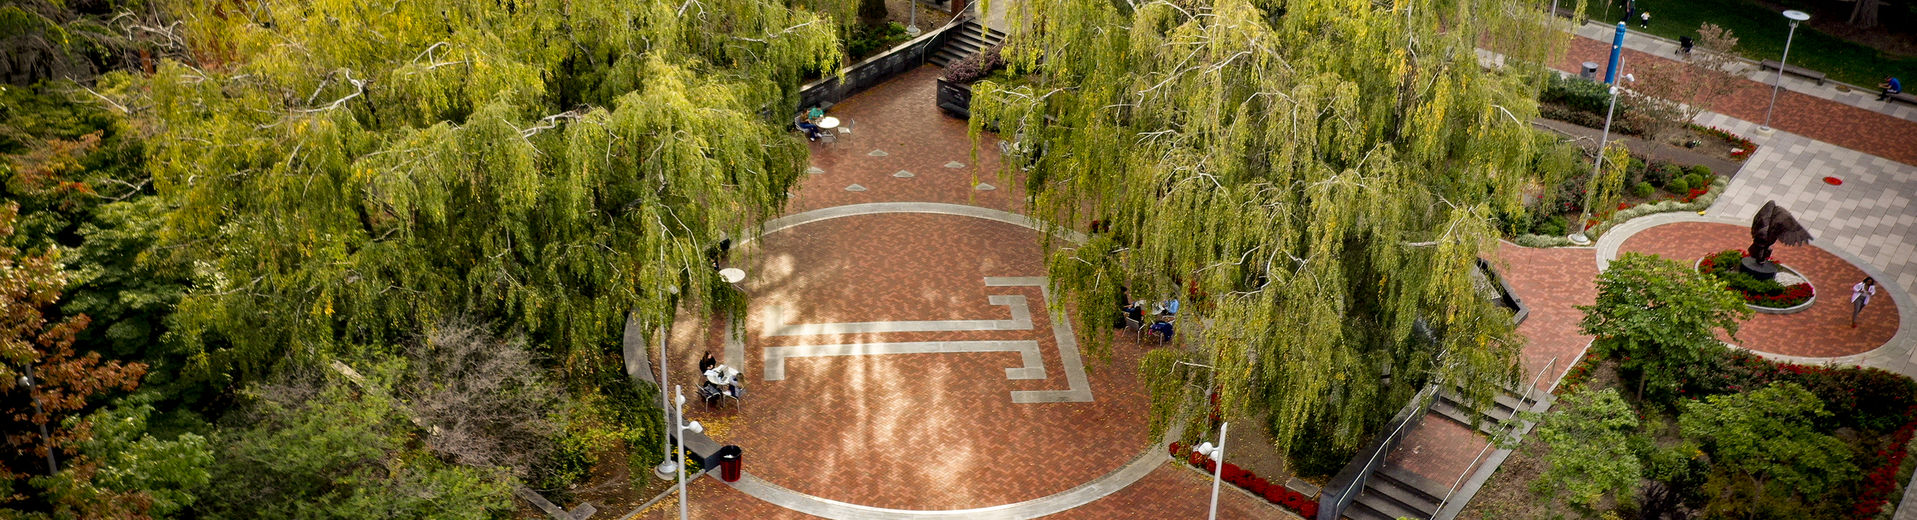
[[1772, 461], [315, 447], [1313, 177], [127, 472], [76, 169], [344, 171], [1659, 318], [1590, 455]]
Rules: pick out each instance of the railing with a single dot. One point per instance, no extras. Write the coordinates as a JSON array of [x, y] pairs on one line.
[[1524, 403], [1350, 481]]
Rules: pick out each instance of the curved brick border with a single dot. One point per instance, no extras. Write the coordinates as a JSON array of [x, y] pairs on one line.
[[1894, 355], [1080, 495]]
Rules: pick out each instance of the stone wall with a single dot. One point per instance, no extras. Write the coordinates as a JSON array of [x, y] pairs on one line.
[[875, 70]]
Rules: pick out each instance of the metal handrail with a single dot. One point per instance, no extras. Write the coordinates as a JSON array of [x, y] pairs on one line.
[[1522, 401], [1383, 447]]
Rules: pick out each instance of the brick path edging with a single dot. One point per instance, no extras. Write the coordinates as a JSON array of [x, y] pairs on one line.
[[1894, 355]]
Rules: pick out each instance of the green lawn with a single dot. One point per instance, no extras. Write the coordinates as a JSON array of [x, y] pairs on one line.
[[1761, 33]]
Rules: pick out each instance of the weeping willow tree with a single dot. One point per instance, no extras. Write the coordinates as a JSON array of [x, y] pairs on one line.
[[1314, 178], [344, 173]]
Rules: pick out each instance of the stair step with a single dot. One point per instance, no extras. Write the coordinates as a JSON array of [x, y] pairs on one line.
[[1431, 490], [1390, 509], [1404, 495], [944, 57], [968, 41], [1361, 511]]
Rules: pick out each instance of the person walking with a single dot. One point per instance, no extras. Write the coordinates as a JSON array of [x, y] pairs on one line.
[[1644, 20], [1890, 86], [1859, 296], [1684, 44]]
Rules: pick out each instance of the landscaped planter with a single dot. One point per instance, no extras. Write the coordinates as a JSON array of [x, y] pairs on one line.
[[1782, 270], [955, 98]]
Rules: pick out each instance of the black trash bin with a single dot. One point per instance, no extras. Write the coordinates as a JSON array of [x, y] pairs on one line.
[[729, 460]]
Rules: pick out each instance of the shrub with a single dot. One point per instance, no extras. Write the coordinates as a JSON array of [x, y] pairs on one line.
[[1578, 94], [1762, 293], [1662, 173], [975, 66], [1678, 186], [1702, 170], [1643, 189], [872, 39], [1554, 226], [1697, 181]]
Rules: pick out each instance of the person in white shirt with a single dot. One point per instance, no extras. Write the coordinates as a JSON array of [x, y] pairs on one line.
[[1859, 295]]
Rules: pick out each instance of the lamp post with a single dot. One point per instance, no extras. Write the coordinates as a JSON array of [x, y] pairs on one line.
[[1795, 17], [26, 380], [1217, 454], [913, 29], [679, 399], [1604, 139]]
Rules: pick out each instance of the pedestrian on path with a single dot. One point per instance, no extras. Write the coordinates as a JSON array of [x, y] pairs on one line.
[[1859, 296], [1684, 44], [1644, 20], [1890, 86]]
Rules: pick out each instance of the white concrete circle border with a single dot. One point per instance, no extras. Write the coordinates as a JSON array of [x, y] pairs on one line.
[[1899, 354], [1079, 495]]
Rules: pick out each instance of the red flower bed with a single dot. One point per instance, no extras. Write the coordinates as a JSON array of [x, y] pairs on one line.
[[1244, 478], [1763, 293], [1741, 147], [1883, 480]]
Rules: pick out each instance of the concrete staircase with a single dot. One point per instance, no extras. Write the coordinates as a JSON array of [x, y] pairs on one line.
[[1394, 492], [966, 40]]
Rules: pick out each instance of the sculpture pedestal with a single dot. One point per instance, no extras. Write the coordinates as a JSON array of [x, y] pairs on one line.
[[1758, 270]]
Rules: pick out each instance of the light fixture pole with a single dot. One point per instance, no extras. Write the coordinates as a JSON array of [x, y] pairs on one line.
[[679, 399], [1795, 17], [1604, 139], [26, 380], [1217, 454], [913, 30], [665, 466]]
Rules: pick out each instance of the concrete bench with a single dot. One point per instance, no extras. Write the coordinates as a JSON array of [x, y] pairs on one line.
[[1904, 97], [1792, 70]]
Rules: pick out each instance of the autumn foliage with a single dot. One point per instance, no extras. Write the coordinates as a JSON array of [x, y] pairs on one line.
[[63, 381]]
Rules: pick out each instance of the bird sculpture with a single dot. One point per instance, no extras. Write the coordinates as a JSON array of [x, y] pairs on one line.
[[1774, 224]]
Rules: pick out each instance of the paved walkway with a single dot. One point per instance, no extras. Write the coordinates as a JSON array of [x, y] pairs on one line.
[[900, 356], [1866, 225]]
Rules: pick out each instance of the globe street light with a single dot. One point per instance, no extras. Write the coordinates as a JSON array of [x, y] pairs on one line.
[[679, 398], [1795, 17], [1217, 455]]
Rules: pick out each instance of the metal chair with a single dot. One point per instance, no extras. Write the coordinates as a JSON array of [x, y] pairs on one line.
[[709, 392]]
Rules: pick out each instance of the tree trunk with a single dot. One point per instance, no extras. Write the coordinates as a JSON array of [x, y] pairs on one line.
[[1864, 15]]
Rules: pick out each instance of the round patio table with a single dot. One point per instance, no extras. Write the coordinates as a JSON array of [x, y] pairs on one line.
[[829, 122]]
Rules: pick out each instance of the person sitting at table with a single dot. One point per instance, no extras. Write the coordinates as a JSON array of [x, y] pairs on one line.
[[1163, 329], [807, 125]]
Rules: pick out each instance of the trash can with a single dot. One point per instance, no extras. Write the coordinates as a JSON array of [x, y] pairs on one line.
[[1590, 71], [729, 460]]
